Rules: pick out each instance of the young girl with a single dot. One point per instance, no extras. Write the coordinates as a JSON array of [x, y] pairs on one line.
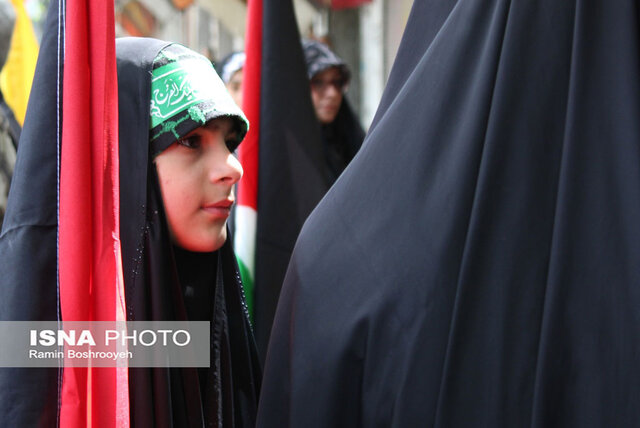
[[178, 128]]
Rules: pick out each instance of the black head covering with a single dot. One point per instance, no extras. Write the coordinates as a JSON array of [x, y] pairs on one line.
[[477, 263], [320, 58], [226, 394]]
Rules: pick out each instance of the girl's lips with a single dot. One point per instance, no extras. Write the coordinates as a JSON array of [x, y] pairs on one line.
[[218, 212], [220, 209], [224, 203]]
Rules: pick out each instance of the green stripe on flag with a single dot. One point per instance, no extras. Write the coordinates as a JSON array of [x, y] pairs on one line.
[[247, 284], [244, 245]]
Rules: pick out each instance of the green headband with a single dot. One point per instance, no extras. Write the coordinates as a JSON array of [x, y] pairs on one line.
[[186, 93]]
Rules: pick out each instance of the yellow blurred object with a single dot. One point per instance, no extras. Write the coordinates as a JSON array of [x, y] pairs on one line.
[[17, 73]]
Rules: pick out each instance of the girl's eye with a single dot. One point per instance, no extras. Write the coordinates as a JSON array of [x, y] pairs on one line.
[[231, 141], [192, 142]]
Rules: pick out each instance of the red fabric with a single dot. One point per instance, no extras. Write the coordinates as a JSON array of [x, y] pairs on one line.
[[343, 4], [248, 150], [91, 286]]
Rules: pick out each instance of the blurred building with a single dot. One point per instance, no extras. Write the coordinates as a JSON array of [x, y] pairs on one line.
[[366, 33]]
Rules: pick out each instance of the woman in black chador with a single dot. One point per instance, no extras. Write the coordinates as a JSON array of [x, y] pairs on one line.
[[178, 127], [477, 264], [341, 132]]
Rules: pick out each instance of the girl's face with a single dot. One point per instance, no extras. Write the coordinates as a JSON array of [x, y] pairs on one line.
[[197, 174]]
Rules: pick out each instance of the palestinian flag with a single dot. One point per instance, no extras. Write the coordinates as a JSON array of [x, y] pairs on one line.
[[282, 157], [60, 241], [247, 206]]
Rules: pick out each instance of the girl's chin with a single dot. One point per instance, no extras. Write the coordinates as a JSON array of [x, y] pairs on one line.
[[203, 246]]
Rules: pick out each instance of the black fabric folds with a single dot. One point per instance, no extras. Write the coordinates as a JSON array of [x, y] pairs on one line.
[[172, 397], [292, 175], [476, 264], [341, 139], [28, 286]]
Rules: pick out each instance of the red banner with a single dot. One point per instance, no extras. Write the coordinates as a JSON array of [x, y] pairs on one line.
[[248, 150], [91, 286]]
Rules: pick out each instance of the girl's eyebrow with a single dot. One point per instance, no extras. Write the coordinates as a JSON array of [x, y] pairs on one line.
[[215, 125], [212, 125]]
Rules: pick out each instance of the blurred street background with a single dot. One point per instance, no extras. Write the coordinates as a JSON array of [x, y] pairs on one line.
[[365, 33]]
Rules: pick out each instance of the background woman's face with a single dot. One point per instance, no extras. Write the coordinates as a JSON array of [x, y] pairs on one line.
[[326, 94], [234, 86], [196, 175]]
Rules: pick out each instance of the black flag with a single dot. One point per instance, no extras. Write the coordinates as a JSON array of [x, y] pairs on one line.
[[282, 157]]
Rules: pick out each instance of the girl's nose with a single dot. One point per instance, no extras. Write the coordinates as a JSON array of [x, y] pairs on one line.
[[228, 171]]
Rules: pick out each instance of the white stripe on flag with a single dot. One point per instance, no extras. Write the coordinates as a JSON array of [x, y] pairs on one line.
[[245, 237]]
